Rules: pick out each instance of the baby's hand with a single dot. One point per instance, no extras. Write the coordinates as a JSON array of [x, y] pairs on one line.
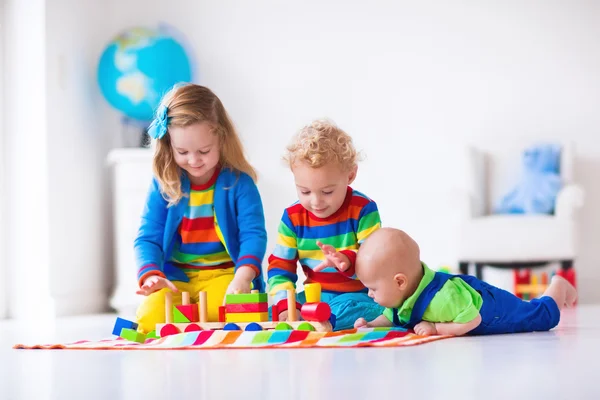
[[361, 323], [332, 258], [155, 283], [425, 328]]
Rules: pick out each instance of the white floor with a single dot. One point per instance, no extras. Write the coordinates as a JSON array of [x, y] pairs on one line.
[[562, 364]]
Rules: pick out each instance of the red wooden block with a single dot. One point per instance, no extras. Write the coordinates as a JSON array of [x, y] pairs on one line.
[[222, 313], [247, 307], [190, 311], [315, 312], [274, 313]]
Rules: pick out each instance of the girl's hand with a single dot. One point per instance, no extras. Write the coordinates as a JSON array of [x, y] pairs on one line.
[[332, 258], [241, 281], [154, 283]]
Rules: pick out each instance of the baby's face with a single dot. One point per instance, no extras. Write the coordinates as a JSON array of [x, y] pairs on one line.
[[321, 191], [382, 286]]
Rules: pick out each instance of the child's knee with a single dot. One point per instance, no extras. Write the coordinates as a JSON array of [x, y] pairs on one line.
[[151, 311]]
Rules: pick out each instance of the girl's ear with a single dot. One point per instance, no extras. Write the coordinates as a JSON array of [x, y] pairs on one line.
[[352, 175], [401, 281]]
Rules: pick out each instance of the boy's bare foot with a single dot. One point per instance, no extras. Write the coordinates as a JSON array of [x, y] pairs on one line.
[[569, 290]]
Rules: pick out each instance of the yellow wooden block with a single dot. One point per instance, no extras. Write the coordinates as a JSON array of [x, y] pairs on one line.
[[247, 317], [312, 291]]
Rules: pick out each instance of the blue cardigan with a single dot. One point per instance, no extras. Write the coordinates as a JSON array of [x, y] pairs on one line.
[[239, 220]]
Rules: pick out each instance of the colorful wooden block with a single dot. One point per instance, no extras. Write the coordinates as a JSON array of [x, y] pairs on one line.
[[221, 313], [121, 323], [315, 312], [178, 316], [312, 292], [189, 311], [247, 317], [246, 298], [132, 335], [247, 307], [152, 335]]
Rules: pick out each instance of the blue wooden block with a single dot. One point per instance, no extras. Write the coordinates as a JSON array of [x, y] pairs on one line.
[[121, 323], [232, 327], [253, 326]]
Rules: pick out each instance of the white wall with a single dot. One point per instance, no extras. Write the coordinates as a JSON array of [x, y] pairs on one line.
[[26, 158], [59, 243], [79, 138], [3, 273], [412, 82]]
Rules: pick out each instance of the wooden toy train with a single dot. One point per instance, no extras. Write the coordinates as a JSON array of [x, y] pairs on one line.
[[246, 311], [249, 312]]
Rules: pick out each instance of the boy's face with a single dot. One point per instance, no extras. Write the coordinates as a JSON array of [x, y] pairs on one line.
[[322, 191], [383, 288], [196, 150]]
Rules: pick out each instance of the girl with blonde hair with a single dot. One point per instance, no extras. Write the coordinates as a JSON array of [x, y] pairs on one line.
[[203, 225]]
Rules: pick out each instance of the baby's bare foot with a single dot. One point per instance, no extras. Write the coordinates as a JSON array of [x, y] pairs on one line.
[[570, 291]]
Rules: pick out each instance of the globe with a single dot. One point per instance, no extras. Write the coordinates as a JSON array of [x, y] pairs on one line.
[[138, 67]]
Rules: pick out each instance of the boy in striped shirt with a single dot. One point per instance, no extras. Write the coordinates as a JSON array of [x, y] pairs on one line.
[[324, 229]]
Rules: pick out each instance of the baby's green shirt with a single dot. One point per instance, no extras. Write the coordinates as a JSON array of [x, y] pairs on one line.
[[456, 302]]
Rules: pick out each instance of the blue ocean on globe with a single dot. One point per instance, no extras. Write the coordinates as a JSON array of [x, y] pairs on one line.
[[138, 67]]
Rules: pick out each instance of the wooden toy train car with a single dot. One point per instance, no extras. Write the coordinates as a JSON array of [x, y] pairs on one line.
[[249, 312]]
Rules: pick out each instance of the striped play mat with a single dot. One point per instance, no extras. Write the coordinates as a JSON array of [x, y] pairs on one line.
[[218, 339]]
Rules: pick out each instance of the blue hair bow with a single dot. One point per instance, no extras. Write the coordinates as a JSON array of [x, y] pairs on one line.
[[158, 127]]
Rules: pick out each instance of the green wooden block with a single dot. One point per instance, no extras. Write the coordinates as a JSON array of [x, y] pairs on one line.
[[305, 326], [246, 298], [132, 335], [152, 335], [178, 316]]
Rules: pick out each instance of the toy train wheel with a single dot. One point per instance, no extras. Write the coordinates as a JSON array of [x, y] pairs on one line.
[[169, 329], [283, 326], [192, 328], [232, 327], [253, 326], [305, 326]]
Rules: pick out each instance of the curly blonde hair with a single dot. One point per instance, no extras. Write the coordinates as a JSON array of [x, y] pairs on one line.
[[187, 105], [320, 143]]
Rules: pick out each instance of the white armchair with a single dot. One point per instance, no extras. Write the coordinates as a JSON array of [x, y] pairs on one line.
[[515, 241]]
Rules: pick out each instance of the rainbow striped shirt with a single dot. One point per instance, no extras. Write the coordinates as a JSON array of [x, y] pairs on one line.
[[299, 231], [197, 243]]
